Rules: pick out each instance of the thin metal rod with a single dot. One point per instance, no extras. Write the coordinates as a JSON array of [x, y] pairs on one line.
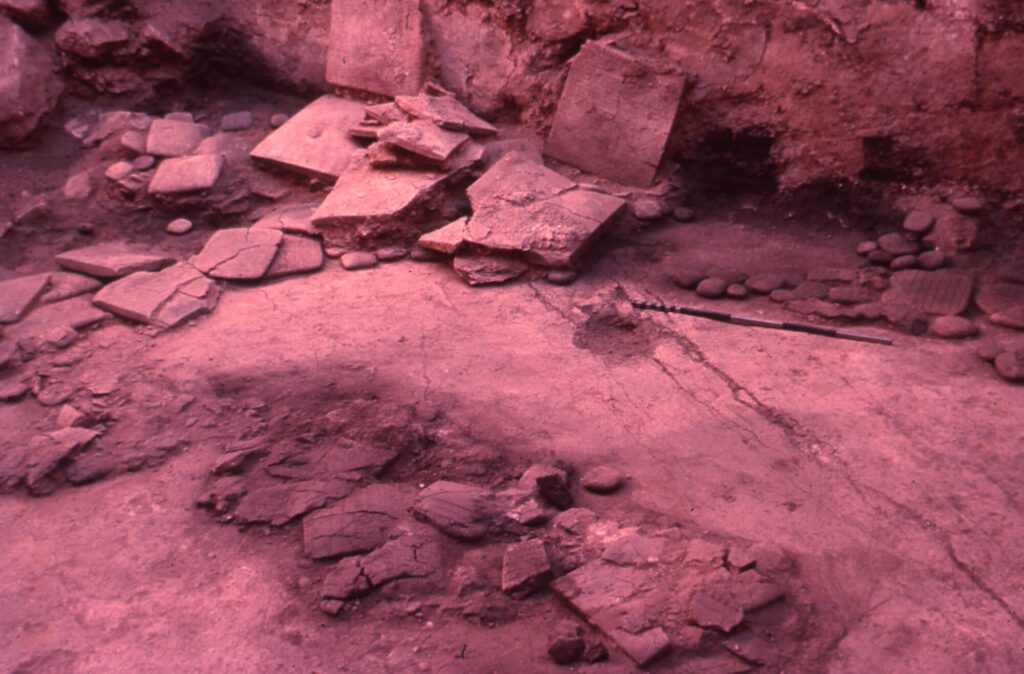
[[763, 322]]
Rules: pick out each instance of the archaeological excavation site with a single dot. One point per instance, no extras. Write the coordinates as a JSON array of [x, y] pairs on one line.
[[498, 336]]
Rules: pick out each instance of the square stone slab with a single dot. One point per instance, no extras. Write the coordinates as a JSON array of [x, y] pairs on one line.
[[377, 46], [239, 253], [298, 254], [942, 292], [551, 232], [187, 174], [315, 141], [615, 115], [424, 139], [515, 179], [364, 193], [111, 260]]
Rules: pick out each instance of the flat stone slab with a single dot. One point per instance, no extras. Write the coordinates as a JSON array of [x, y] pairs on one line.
[[478, 270], [995, 299], [423, 139], [315, 141], [295, 219], [448, 239], [297, 255], [239, 253], [182, 175], [357, 524], [170, 138], [445, 111], [525, 568], [940, 292], [615, 115], [416, 553], [460, 510], [165, 298], [552, 232], [17, 295], [516, 180], [65, 284], [364, 193], [377, 46], [111, 260]]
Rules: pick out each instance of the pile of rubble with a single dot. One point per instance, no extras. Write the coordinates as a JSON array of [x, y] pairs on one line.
[[479, 551]]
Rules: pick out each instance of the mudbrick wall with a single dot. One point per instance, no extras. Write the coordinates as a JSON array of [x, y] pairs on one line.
[[781, 93]]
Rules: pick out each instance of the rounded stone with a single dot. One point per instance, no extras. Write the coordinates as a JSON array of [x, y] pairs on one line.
[[932, 259], [918, 222], [561, 277], [880, 257], [968, 205], [179, 226], [683, 214], [1010, 366], [391, 253], [903, 262], [988, 351], [952, 327], [647, 209], [897, 244], [143, 162], [811, 290], [728, 274], [421, 254], [782, 295], [602, 480], [688, 279], [712, 288], [333, 252], [278, 119], [737, 291], [866, 247], [358, 260], [119, 170], [762, 284]]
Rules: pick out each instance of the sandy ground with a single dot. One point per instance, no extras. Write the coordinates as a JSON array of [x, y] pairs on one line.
[[890, 474]]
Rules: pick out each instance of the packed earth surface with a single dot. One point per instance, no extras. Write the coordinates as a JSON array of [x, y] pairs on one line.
[[397, 336]]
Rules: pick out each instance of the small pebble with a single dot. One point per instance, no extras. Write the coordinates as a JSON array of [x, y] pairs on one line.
[[918, 222], [179, 117], [358, 260], [903, 262], [390, 253], [728, 274], [236, 121], [278, 119], [143, 162], [561, 277], [647, 209], [932, 259], [866, 247], [602, 480], [952, 327], [737, 291], [712, 288], [119, 170], [179, 226], [989, 350], [333, 253], [968, 205], [688, 280], [781, 295], [683, 214]]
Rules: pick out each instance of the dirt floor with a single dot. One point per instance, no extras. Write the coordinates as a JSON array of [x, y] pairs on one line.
[[889, 476]]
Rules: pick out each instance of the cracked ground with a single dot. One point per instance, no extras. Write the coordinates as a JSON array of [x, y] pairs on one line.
[[890, 474]]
